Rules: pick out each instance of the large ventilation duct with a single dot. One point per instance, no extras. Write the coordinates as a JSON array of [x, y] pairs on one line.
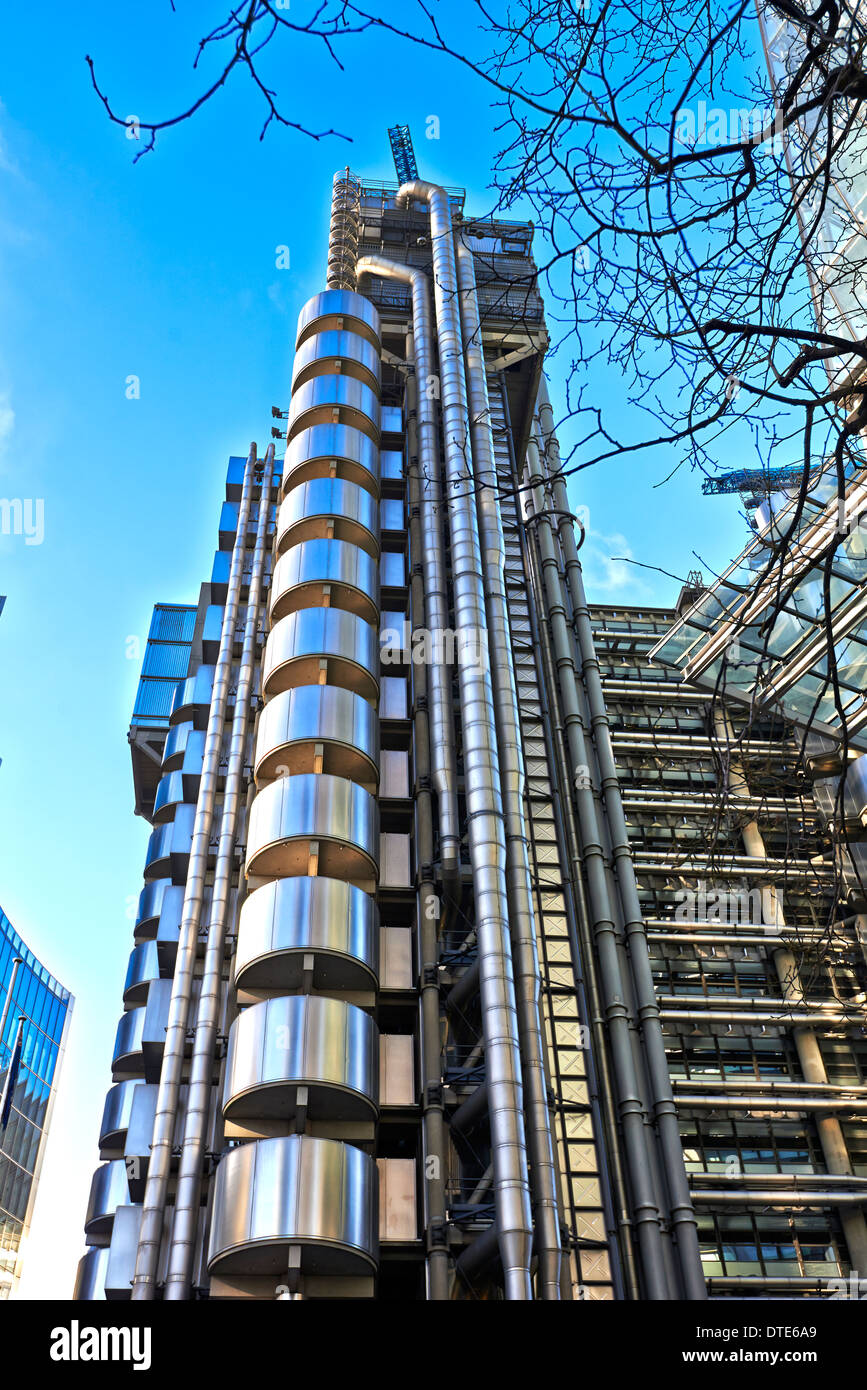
[[522, 917], [486, 827], [186, 1216], [442, 737], [153, 1208]]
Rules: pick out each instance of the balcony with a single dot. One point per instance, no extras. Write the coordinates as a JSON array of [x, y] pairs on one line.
[[108, 1191], [336, 400], [318, 728], [278, 1194], [116, 1114], [293, 918], [339, 309], [315, 642], [332, 451], [326, 574], [168, 851], [314, 823], [143, 967], [330, 508], [327, 1046], [192, 700], [340, 352], [90, 1275]]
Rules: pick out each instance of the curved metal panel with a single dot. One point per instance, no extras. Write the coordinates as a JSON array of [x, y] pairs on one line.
[[150, 903], [176, 745], [294, 813], [143, 967], [318, 728], [329, 507], [108, 1191], [116, 1113], [334, 399], [352, 577], [327, 1045], [91, 1275], [169, 795], [284, 921], [295, 1191], [128, 1042], [298, 644], [168, 850], [192, 698], [337, 350], [339, 309], [331, 451]]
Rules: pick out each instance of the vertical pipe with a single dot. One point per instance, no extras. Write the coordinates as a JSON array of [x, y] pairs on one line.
[[486, 829], [647, 1215], [188, 1195], [153, 1207], [522, 917], [436, 606], [427, 910], [665, 1111]]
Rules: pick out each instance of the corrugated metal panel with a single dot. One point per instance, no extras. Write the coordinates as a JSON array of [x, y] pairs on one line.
[[166, 659], [154, 698], [172, 623]]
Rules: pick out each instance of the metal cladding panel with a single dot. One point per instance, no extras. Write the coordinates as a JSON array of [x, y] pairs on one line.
[[322, 449], [313, 807], [169, 794], [337, 350], [108, 1189], [143, 967], [117, 1110], [345, 640], [176, 743], [347, 568], [150, 901], [193, 697], [332, 920], [303, 1040], [297, 1190], [317, 502], [312, 714], [317, 401], [128, 1038], [348, 305], [91, 1275]]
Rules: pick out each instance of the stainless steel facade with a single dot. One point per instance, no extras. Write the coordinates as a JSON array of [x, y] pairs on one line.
[[411, 1012]]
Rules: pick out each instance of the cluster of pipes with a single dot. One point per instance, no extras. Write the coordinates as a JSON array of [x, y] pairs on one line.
[[651, 1207]]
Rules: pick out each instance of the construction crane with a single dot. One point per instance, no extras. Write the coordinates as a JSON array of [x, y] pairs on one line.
[[403, 153], [754, 484]]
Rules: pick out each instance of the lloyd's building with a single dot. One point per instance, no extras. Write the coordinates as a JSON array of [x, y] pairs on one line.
[[403, 1018]]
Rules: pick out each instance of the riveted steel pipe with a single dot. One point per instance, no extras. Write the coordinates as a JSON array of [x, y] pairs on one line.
[[522, 918], [486, 827], [186, 1214], [442, 734], [682, 1213], [153, 1206]]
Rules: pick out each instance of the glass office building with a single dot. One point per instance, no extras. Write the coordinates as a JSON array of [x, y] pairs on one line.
[[46, 1007]]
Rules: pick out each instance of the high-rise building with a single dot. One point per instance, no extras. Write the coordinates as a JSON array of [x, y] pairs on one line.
[[35, 1011], [468, 964]]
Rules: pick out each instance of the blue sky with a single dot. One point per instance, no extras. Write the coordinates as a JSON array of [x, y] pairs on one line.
[[166, 270]]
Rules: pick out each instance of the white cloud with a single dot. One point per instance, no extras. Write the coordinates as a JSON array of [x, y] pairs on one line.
[[605, 561]]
